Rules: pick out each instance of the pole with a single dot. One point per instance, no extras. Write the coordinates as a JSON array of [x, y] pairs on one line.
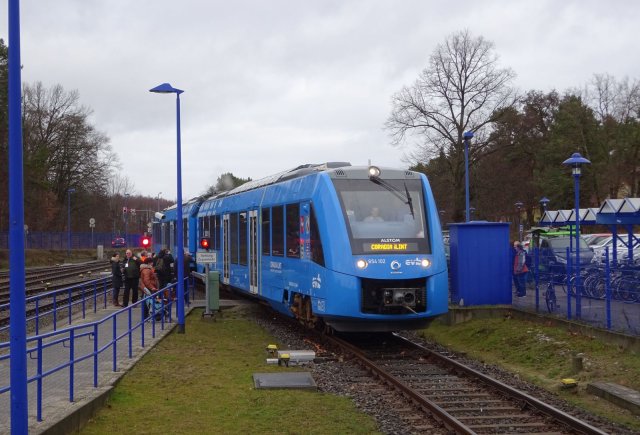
[[466, 178], [69, 221], [207, 311], [578, 287], [17, 302], [181, 328]]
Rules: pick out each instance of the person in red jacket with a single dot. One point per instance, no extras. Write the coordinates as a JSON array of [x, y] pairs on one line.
[[148, 278]]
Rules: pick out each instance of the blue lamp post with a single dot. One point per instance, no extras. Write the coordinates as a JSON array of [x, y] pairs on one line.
[[543, 202], [17, 300], [69, 192], [576, 161], [166, 88], [468, 135], [519, 211]]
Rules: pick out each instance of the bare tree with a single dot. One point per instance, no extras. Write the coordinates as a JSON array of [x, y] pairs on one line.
[[63, 150], [462, 89]]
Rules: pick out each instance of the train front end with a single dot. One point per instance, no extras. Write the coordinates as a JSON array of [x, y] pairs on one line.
[[393, 273]]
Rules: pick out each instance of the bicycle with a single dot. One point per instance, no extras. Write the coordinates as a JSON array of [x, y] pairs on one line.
[[550, 297]]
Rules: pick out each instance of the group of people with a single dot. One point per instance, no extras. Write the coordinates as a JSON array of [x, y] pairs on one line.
[[147, 273]]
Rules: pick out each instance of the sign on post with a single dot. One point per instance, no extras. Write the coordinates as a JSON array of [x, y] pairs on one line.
[[206, 257], [92, 222]]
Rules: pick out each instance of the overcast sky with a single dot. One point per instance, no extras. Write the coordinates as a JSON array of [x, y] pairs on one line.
[[270, 85]]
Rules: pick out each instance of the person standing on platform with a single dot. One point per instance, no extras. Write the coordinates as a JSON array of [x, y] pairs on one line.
[[116, 277], [131, 272], [520, 269]]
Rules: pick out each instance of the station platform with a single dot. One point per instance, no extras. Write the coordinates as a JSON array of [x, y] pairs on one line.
[[61, 416]]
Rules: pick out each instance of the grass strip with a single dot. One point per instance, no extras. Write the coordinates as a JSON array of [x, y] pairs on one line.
[[201, 382]]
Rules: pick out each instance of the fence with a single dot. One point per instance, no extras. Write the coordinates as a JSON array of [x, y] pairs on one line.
[[604, 294], [60, 240], [77, 358]]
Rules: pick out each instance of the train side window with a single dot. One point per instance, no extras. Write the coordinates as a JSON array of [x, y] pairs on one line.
[[216, 233], [277, 231], [293, 230], [185, 233], [243, 238], [234, 237], [317, 254], [266, 231]]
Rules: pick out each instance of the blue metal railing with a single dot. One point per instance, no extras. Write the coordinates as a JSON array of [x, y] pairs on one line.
[[149, 311], [608, 293]]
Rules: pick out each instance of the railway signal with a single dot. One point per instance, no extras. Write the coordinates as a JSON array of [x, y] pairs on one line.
[[145, 241], [205, 243]]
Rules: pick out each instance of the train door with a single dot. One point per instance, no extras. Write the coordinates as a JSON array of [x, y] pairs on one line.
[[305, 243], [226, 249], [253, 251]]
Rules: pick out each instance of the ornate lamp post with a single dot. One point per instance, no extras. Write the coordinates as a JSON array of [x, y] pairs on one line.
[[575, 162], [166, 88], [468, 135], [519, 210]]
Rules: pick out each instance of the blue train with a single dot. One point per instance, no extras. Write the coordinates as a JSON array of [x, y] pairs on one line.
[[346, 247]]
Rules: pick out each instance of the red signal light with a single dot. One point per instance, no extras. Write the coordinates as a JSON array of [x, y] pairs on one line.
[[146, 242], [204, 243]]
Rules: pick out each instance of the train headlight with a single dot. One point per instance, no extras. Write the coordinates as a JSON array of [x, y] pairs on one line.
[[374, 172], [362, 264], [425, 263]]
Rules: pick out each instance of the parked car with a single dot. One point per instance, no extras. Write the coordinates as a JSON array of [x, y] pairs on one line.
[[553, 253], [118, 242], [597, 239]]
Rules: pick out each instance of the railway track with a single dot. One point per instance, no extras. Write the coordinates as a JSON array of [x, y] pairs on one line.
[[52, 278], [443, 394]]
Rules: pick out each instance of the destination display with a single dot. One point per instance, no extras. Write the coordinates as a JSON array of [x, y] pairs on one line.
[[389, 246]]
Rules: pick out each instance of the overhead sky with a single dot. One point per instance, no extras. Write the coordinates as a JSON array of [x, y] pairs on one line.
[[272, 84]]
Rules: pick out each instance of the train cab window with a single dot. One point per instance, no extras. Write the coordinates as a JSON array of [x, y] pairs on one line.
[[384, 217], [266, 231], [242, 233], [317, 254], [234, 237], [215, 232], [293, 231], [277, 231]]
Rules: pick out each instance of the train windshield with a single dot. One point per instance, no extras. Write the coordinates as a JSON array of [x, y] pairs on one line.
[[384, 216]]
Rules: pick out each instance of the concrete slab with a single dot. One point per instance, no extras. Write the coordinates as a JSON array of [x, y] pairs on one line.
[[617, 394], [289, 380]]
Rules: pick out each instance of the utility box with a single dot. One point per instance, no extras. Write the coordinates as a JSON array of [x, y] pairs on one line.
[[100, 252], [480, 263], [213, 291]]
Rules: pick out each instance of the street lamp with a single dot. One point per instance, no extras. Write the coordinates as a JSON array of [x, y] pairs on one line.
[[519, 208], [543, 202], [576, 161], [69, 192], [158, 199], [126, 217], [166, 88], [17, 300], [467, 137]]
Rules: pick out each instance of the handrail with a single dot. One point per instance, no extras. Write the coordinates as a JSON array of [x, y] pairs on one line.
[[68, 336]]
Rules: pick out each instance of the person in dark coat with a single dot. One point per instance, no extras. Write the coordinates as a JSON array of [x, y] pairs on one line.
[[116, 277], [131, 272]]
